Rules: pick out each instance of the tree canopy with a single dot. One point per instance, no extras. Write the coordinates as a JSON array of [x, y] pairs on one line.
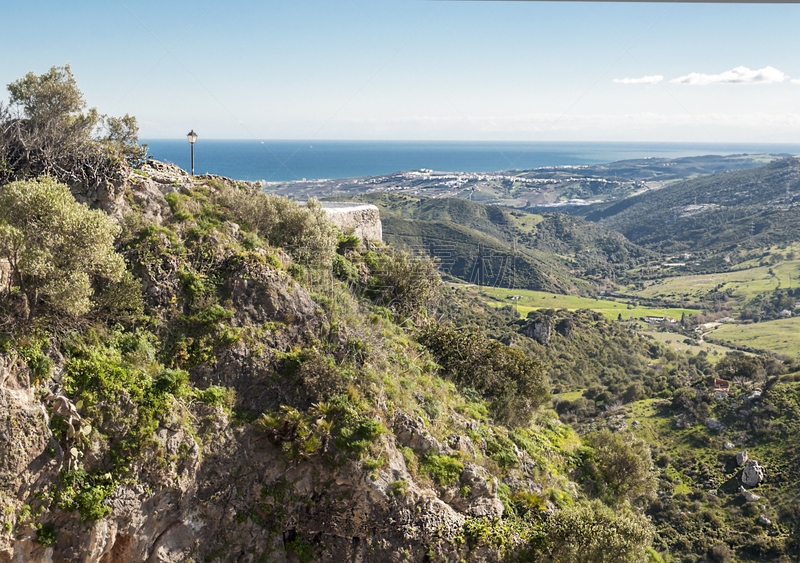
[[55, 245], [47, 130]]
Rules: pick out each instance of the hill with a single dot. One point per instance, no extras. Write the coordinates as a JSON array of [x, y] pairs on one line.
[[562, 187], [551, 251], [719, 214]]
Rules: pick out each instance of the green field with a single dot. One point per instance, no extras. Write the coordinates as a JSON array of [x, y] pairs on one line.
[[744, 284], [533, 300], [781, 336], [677, 342]]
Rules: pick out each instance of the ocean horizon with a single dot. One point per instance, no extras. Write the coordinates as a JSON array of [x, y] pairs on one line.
[[292, 160]]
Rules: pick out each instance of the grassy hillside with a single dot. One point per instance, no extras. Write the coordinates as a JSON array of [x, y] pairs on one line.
[[716, 213], [535, 300], [779, 336], [554, 252]]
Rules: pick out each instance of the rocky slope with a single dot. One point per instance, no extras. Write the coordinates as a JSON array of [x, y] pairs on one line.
[[108, 456]]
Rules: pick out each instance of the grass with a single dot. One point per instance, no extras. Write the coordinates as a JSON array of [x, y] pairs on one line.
[[676, 342], [533, 300], [781, 336], [744, 284]]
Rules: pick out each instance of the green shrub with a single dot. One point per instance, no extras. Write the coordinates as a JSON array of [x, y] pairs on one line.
[[358, 437], [618, 466], [398, 489], [443, 469], [501, 449], [46, 535], [302, 230], [506, 377], [593, 533], [406, 284], [214, 395], [85, 493], [56, 246]]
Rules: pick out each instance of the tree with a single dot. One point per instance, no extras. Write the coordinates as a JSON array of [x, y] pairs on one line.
[[619, 466], [47, 132], [55, 246], [593, 533], [53, 95]]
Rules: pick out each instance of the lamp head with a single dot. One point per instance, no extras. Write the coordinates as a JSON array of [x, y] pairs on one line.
[[192, 136]]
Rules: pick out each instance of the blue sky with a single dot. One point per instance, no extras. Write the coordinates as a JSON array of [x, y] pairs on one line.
[[413, 69]]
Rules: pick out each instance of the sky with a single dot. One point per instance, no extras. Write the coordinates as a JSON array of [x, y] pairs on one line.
[[423, 69]]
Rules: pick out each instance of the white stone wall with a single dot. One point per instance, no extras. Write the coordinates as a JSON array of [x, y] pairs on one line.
[[363, 219]]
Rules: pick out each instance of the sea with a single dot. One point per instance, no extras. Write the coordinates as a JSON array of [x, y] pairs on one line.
[[288, 160]]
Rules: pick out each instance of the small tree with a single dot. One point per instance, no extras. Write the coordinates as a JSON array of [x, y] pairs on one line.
[[593, 533], [55, 245], [48, 131], [619, 467]]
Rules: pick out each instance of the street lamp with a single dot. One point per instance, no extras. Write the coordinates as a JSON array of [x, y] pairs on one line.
[[192, 137]]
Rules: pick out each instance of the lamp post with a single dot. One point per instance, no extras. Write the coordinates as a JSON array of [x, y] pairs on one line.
[[192, 137]]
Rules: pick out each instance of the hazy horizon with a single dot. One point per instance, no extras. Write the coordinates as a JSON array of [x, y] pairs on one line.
[[413, 70]]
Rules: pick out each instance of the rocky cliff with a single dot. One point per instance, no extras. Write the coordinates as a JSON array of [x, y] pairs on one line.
[[248, 416]]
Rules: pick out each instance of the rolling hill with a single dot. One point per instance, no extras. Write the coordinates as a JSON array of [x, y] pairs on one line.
[[550, 252], [719, 213]]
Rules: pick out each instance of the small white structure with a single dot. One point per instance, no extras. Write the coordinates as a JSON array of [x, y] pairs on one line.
[[362, 219]]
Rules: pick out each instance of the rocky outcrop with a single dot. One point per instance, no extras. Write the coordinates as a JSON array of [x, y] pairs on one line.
[[753, 473], [541, 331], [741, 458], [410, 431], [748, 496]]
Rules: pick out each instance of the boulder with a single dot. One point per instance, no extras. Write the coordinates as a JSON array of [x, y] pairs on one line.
[[753, 473], [461, 444], [728, 445], [764, 521], [715, 424], [748, 496], [741, 458], [410, 431]]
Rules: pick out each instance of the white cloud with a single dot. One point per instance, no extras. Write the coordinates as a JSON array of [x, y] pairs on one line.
[[655, 79], [739, 75]]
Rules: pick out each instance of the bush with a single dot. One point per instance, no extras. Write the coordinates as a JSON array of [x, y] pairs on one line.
[[443, 469], [618, 466], [405, 283], [56, 247], [505, 376], [46, 535], [593, 533], [358, 437], [302, 230]]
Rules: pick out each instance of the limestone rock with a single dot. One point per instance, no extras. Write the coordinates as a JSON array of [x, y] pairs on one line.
[[461, 444], [540, 331], [715, 424], [753, 473], [741, 458], [411, 432], [728, 445], [748, 496], [764, 520]]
